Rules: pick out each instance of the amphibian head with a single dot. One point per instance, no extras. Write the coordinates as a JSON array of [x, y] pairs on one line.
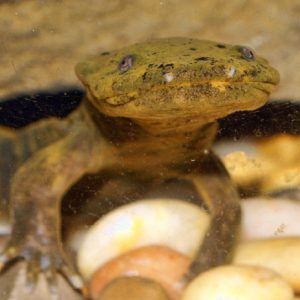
[[177, 77]]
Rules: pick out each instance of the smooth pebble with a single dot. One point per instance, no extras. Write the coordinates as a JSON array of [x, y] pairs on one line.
[[162, 264], [132, 288], [173, 223], [238, 283]]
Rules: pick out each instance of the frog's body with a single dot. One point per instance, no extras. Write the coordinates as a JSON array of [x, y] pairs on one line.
[[150, 110]]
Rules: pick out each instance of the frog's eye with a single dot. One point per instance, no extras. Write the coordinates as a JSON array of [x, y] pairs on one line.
[[126, 63], [247, 53]]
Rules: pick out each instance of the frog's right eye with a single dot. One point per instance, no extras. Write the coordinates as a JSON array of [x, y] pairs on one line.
[[247, 53], [126, 63]]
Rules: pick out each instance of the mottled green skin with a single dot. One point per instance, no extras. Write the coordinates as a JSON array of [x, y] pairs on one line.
[[195, 64], [153, 122]]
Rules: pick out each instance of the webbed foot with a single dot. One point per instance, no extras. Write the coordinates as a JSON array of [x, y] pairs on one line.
[[51, 262]]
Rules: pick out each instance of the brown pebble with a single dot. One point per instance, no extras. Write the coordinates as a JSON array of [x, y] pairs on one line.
[[159, 263], [133, 288]]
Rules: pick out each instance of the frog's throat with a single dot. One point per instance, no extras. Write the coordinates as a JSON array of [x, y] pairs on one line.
[[221, 86]]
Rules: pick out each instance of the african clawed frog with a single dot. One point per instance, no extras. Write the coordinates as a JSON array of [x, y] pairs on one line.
[[150, 110]]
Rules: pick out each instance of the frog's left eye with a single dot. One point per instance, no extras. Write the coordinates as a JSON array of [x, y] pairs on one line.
[[126, 63], [247, 53]]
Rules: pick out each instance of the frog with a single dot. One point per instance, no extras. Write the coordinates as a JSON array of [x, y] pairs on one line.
[[151, 110]]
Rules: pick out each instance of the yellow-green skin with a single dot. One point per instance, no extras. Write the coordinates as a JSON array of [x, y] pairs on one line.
[[210, 80], [149, 114]]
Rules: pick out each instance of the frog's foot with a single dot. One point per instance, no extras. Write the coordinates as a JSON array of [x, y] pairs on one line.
[[51, 262]]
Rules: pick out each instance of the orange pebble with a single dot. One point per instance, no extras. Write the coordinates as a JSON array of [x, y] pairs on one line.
[[159, 263], [133, 288]]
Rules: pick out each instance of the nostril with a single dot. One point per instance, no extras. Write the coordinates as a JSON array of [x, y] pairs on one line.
[[231, 72], [168, 76]]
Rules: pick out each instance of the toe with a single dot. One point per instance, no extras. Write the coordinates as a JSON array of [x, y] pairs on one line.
[[52, 281], [72, 276], [10, 253], [33, 271]]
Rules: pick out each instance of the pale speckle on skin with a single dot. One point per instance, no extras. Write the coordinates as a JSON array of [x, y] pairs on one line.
[[168, 77], [231, 72]]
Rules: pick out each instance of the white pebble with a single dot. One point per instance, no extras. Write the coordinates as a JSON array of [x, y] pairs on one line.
[[238, 283], [280, 255], [174, 223], [270, 218]]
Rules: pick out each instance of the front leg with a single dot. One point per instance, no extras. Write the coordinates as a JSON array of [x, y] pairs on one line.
[[37, 189], [222, 200]]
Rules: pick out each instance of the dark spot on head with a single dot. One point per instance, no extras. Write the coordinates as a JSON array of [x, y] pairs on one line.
[[150, 65], [193, 49], [254, 73], [126, 63], [165, 72], [169, 65], [161, 66], [202, 58], [105, 53], [247, 53], [154, 53], [144, 76], [221, 46]]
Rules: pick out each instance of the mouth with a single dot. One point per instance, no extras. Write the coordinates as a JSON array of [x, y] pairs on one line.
[[222, 86], [265, 87]]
